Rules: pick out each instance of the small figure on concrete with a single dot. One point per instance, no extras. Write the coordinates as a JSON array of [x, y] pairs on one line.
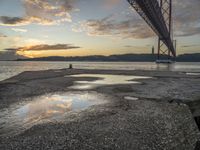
[[70, 66]]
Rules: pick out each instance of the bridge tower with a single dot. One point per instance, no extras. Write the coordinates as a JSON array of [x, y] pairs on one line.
[[166, 10], [158, 15]]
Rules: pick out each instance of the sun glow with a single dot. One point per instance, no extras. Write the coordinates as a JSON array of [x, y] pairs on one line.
[[29, 54]]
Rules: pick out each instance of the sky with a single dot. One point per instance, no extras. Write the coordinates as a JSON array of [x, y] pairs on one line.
[[41, 28]]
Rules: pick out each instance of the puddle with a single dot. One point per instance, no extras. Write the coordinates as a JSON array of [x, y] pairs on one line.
[[105, 79], [131, 98], [46, 108], [193, 73]]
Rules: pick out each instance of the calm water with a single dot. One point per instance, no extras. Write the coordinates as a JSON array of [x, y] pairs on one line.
[[11, 68]]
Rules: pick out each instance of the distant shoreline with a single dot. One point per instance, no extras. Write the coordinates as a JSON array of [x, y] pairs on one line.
[[87, 61], [116, 58]]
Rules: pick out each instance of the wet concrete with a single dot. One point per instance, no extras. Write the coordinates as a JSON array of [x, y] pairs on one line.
[[154, 121], [104, 79], [45, 108]]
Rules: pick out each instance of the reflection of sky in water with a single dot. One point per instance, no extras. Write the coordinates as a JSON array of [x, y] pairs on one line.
[[193, 73], [131, 98], [105, 79], [45, 108]]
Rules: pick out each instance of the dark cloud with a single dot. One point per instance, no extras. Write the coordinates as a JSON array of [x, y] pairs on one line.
[[67, 5], [48, 47], [10, 54], [194, 45], [12, 20], [136, 47], [19, 21], [128, 46], [11, 49], [13, 53]]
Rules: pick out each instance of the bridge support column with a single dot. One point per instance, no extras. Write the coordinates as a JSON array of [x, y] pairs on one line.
[[163, 51], [158, 15]]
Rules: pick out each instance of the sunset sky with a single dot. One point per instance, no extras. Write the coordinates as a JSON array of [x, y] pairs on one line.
[[36, 28]]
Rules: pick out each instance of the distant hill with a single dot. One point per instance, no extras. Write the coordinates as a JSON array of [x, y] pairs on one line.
[[189, 57], [125, 58]]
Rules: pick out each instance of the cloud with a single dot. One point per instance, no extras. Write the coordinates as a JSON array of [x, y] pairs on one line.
[[12, 21], [19, 30], [43, 47], [186, 17], [19, 21], [128, 46], [136, 47], [129, 28], [41, 21], [193, 45], [2, 35], [58, 10], [47, 47], [111, 3], [53, 12], [42, 12], [29, 51], [11, 49], [10, 54]]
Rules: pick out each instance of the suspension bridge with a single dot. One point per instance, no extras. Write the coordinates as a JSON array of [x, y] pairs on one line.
[[158, 15]]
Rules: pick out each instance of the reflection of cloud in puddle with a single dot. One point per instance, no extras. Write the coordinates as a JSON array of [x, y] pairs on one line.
[[47, 108], [131, 98], [43, 107], [81, 86], [193, 73], [104, 79]]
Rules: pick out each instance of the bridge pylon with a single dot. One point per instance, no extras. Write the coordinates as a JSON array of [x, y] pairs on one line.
[[158, 15], [163, 50]]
